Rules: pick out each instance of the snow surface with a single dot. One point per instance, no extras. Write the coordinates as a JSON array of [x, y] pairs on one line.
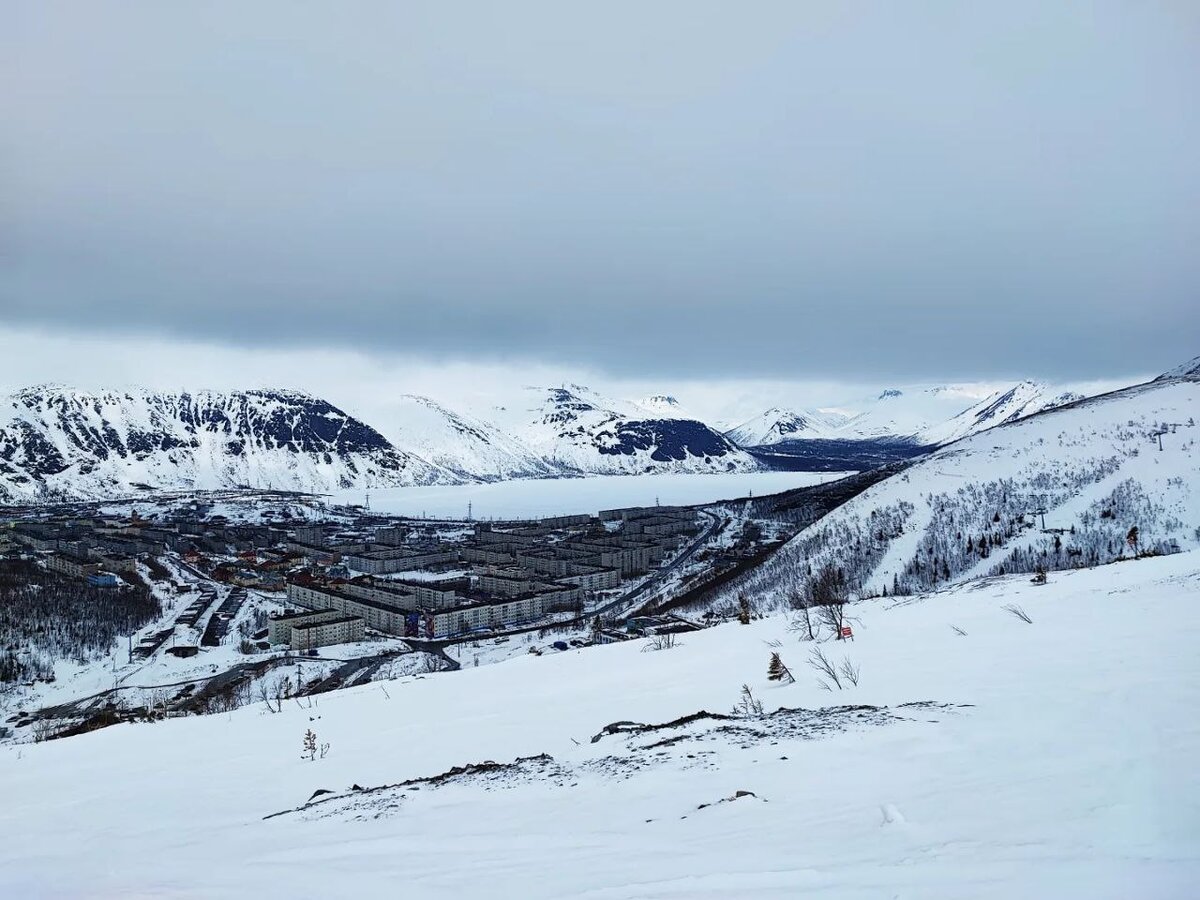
[[1058, 762], [468, 446], [531, 498]]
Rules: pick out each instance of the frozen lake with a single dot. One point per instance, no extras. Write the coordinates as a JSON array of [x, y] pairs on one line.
[[531, 498]]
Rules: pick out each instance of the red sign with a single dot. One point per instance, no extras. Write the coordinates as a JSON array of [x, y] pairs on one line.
[[846, 632]]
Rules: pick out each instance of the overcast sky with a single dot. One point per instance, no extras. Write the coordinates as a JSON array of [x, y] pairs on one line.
[[677, 191]]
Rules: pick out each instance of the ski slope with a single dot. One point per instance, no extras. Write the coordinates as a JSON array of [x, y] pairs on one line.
[[1054, 759]]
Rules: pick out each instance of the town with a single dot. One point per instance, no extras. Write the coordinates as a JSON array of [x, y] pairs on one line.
[[336, 580]]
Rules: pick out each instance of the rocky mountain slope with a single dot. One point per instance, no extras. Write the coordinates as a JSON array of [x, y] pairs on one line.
[[56, 442], [59, 443], [778, 425], [464, 445], [580, 430]]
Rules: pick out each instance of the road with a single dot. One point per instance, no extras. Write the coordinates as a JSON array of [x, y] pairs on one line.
[[658, 577]]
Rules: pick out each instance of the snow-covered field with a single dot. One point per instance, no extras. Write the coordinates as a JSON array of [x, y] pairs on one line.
[[529, 498], [1053, 759]]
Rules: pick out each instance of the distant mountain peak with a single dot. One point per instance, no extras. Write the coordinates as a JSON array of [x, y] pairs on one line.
[[1189, 369], [657, 401]]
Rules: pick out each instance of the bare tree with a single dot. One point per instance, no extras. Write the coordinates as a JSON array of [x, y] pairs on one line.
[[829, 594], [802, 603], [272, 699], [822, 664]]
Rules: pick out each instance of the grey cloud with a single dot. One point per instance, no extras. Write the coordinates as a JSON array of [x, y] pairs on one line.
[[773, 189]]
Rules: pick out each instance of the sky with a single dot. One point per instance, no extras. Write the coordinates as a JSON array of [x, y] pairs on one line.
[[701, 194]]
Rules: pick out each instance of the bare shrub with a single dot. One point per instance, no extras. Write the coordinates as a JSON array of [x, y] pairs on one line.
[[849, 671], [832, 674], [1018, 612], [659, 642], [747, 706], [819, 661]]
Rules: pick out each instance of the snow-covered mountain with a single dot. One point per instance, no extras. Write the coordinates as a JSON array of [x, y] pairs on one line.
[[57, 442], [778, 425], [1189, 369], [1090, 470], [665, 406], [1023, 399], [581, 431], [464, 445], [926, 416]]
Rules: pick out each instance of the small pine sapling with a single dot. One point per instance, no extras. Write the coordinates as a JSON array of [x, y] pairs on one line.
[[310, 745], [748, 707], [777, 671]]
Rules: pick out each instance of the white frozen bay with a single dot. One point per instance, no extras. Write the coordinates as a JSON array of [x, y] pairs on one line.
[[528, 498]]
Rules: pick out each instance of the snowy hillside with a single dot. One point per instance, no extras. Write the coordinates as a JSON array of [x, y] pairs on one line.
[[582, 431], [59, 442], [1008, 405], [977, 756], [465, 445], [1191, 368], [975, 507]]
